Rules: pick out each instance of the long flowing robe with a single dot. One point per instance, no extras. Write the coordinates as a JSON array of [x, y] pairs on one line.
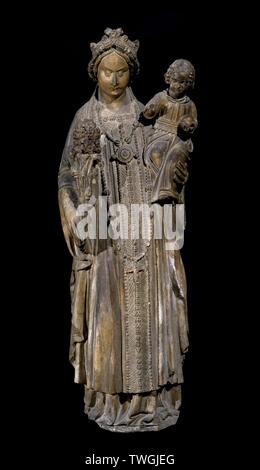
[[129, 317]]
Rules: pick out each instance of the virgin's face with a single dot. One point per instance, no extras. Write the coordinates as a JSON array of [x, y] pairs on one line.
[[113, 75]]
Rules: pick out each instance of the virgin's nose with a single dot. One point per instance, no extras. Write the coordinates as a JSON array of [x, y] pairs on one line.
[[114, 79]]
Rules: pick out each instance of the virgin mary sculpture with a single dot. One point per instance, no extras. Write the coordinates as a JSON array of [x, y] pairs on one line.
[[129, 328]]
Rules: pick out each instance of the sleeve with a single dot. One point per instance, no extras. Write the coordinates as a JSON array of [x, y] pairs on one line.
[[67, 197]]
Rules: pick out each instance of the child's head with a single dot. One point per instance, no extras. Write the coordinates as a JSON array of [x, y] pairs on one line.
[[181, 77]]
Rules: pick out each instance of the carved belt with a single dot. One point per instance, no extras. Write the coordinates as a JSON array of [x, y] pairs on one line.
[[166, 125]]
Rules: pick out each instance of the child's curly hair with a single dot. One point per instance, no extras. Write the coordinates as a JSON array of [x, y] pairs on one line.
[[181, 67]]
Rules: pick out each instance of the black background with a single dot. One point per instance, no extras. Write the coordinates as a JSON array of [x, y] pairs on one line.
[[51, 55]]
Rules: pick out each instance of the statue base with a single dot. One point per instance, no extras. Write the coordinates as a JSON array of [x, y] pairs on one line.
[[125, 413], [147, 428]]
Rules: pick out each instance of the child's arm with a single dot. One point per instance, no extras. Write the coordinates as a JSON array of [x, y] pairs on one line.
[[194, 113], [188, 123], [155, 106]]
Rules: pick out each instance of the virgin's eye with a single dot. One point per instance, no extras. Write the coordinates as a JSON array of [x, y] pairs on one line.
[[121, 73], [107, 73]]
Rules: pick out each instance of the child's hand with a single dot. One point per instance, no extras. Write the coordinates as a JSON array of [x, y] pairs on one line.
[[150, 111]]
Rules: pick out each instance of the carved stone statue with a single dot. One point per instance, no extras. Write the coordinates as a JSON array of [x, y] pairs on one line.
[[129, 329]]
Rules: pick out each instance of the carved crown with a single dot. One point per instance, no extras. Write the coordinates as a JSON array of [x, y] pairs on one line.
[[114, 39]]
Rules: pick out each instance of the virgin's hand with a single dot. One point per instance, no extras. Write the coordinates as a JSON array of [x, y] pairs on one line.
[[181, 173], [77, 232], [73, 219]]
